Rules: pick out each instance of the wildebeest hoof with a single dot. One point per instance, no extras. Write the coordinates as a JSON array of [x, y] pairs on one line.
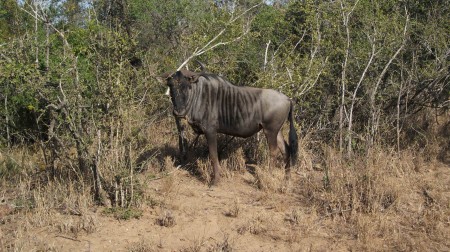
[[215, 182]]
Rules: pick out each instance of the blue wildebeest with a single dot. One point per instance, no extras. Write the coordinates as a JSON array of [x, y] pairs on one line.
[[212, 105]]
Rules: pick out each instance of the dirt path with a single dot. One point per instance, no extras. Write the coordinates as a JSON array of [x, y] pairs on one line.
[[187, 215], [233, 216]]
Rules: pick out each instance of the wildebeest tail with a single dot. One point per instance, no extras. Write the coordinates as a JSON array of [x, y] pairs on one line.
[[293, 138]]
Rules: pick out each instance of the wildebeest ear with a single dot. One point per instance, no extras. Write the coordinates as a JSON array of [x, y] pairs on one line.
[[191, 76], [194, 78]]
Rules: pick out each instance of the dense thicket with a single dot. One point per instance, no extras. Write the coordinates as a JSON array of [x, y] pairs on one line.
[[361, 72]]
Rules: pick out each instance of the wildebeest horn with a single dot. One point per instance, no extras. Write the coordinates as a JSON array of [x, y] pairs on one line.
[[202, 66]]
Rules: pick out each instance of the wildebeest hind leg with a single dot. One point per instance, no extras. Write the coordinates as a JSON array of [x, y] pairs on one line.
[[283, 146], [273, 146]]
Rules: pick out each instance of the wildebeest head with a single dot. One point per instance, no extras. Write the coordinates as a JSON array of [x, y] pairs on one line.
[[180, 84]]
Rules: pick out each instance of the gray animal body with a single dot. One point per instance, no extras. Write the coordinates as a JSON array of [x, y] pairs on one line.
[[212, 105]]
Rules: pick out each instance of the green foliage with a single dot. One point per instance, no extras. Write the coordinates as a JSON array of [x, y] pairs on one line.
[[270, 25], [70, 79], [10, 16], [20, 105]]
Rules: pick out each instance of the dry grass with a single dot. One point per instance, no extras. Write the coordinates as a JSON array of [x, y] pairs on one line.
[[196, 245], [234, 209], [258, 224], [295, 216], [270, 179], [235, 164], [141, 246], [166, 219], [204, 170], [224, 245], [379, 200], [64, 206]]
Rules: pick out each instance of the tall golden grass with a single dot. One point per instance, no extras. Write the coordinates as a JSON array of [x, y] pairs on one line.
[[381, 199]]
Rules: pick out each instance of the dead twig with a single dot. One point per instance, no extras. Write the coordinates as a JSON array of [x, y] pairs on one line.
[[68, 238]]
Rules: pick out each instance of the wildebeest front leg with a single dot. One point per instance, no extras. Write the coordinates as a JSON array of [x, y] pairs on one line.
[[182, 141], [211, 138]]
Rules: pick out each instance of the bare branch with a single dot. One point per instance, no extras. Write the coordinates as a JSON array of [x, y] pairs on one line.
[[35, 14], [374, 118], [311, 84], [345, 19], [265, 55], [386, 67], [209, 47], [350, 119]]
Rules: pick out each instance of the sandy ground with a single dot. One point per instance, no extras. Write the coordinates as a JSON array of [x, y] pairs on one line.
[[234, 216]]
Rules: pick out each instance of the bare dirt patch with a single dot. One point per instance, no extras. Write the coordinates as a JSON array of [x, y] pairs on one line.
[[187, 215]]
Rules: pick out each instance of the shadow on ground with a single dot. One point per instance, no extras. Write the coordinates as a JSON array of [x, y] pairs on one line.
[[198, 151]]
